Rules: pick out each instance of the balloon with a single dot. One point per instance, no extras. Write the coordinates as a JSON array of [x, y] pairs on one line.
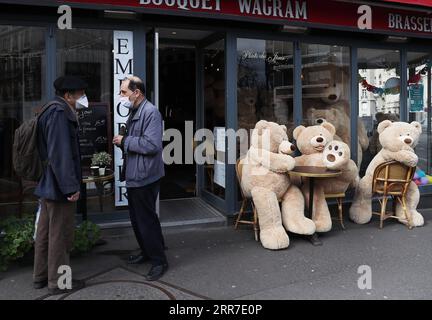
[[417, 182], [429, 179], [424, 181], [392, 83]]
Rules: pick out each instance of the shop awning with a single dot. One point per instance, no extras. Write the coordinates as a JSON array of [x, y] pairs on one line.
[[425, 3]]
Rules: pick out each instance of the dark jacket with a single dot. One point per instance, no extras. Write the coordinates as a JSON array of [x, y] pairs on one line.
[[143, 147], [58, 143]]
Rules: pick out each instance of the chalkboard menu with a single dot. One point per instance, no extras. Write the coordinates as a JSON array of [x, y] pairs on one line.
[[94, 132]]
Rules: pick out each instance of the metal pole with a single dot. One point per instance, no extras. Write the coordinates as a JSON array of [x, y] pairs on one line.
[[156, 91]]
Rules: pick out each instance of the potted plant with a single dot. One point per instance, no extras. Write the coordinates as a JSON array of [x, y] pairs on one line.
[[102, 160]]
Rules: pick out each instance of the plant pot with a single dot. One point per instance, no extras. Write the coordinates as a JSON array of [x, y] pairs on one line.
[[101, 171], [95, 171]]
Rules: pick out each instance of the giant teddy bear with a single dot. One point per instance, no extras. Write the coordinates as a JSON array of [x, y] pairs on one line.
[[398, 140], [265, 179], [311, 142]]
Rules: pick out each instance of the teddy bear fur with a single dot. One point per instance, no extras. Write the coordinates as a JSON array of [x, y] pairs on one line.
[[311, 142], [375, 146], [398, 140], [338, 117], [265, 179], [337, 156]]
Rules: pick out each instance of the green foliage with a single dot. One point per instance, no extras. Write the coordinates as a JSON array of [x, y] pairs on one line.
[[86, 236], [101, 159], [16, 238]]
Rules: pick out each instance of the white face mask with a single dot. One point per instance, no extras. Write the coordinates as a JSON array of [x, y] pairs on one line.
[[82, 103], [125, 102]]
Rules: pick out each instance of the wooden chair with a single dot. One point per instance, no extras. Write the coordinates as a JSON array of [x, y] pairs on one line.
[[339, 199], [392, 179], [245, 201]]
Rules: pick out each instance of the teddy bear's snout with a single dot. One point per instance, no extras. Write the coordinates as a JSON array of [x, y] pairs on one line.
[[332, 97], [320, 140], [408, 140], [293, 148]]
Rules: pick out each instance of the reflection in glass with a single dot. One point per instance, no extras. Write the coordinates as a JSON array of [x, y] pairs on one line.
[[418, 75], [214, 117], [379, 94], [265, 82], [22, 75]]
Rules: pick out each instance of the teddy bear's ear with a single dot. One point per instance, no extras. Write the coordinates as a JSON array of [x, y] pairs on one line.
[[260, 125], [297, 131], [329, 127], [417, 125], [384, 125], [284, 127]]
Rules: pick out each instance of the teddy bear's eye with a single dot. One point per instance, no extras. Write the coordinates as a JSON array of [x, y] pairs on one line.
[[340, 154], [408, 134], [330, 147], [400, 135], [320, 134], [336, 148]]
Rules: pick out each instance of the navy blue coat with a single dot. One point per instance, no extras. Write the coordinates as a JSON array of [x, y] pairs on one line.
[[58, 143]]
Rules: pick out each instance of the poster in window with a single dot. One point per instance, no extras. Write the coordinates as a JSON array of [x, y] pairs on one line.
[[416, 101]]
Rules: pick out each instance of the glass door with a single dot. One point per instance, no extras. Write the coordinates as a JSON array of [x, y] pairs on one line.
[[213, 122]]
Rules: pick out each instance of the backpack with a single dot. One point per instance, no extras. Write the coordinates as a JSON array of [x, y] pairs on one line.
[[25, 154]]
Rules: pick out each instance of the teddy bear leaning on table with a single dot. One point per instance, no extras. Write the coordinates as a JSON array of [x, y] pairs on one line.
[[318, 148], [265, 179]]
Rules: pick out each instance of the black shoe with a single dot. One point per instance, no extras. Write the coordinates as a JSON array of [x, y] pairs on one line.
[[40, 284], [137, 259], [156, 272], [76, 285]]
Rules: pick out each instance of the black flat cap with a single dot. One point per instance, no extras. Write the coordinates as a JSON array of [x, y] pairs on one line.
[[72, 83]]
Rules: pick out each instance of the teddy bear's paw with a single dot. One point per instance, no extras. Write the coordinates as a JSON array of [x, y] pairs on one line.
[[417, 219], [409, 158], [323, 224], [299, 225], [336, 154], [360, 214], [274, 238]]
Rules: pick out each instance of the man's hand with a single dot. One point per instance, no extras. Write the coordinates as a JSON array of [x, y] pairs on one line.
[[118, 140], [74, 197]]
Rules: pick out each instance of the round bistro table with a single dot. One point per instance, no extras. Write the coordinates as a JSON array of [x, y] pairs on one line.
[[312, 173]]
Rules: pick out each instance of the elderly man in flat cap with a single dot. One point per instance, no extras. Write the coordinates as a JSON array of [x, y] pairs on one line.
[[59, 187]]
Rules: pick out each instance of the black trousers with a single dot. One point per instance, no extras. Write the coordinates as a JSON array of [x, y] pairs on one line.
[[145, 222]]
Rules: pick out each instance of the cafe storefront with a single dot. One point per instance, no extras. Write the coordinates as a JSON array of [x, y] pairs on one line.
[[216, 65]]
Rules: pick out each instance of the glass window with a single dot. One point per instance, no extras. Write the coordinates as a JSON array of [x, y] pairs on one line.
[[379, 74], [22, 93], [326, 78], [418, 75], [265, 82], [88, 53], [214, 116]]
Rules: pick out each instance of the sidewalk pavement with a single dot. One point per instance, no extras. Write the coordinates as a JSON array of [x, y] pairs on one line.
[[223, 263]]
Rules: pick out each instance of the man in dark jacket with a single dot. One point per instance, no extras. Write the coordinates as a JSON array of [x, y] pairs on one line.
[[142, 169], [59, 187]]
